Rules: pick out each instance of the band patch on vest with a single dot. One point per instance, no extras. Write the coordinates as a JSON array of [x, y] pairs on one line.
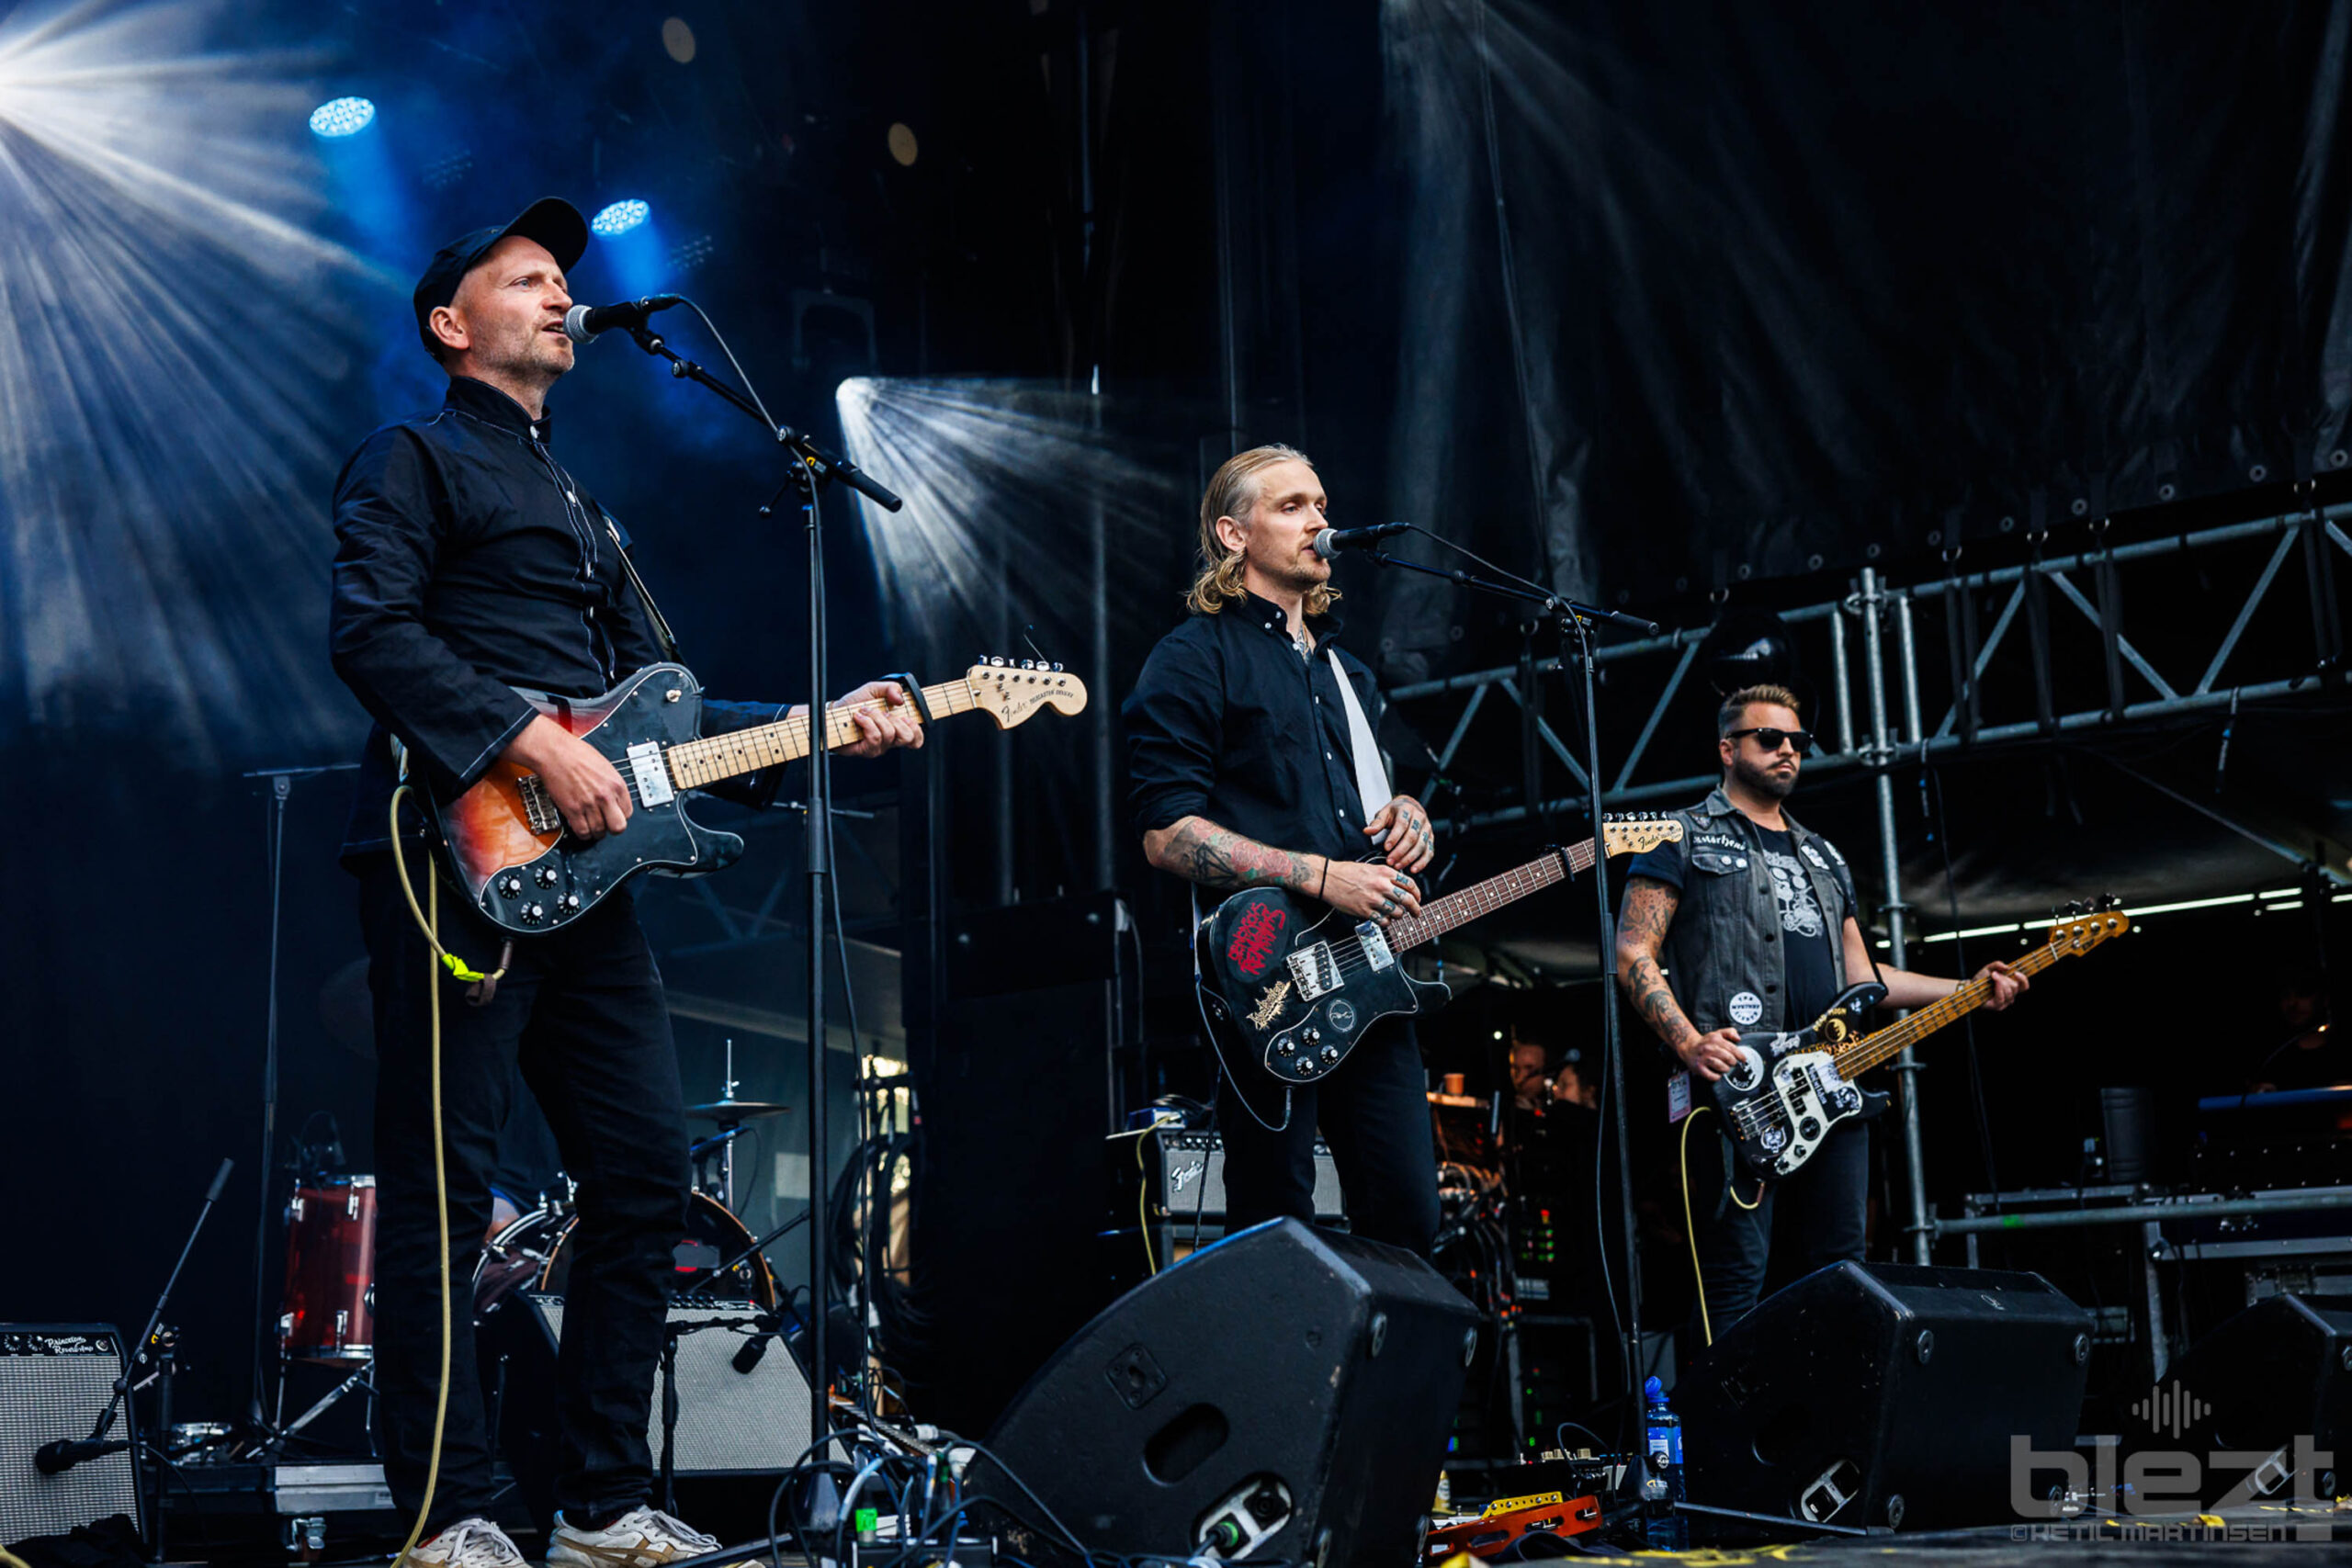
[[1746, 1008]]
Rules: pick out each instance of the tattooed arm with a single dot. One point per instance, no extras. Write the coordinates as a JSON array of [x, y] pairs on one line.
[[1641, 933], [1199, 851]]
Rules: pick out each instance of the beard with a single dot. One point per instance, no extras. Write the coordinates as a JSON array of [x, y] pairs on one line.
[[1763, 780]]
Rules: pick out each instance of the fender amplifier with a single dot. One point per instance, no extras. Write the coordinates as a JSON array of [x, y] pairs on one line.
[[55, 1379], [1184, 1173]]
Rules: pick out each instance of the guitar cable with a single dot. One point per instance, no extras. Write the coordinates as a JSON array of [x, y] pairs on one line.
[[1690, 1230], [428, 921]]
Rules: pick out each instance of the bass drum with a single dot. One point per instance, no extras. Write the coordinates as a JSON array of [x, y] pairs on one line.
[[535, 1253]]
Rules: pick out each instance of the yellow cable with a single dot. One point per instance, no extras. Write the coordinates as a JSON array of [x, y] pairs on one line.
[[10, 1560], [430, 922], [1143, 1206], [1690, 1230]]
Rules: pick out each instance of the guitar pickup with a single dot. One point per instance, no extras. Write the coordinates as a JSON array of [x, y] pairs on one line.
[[651, 775], [1375, 943], [538, 810], [1316, 971]]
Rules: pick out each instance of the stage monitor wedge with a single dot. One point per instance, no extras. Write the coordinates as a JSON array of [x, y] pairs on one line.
[[1286, 1393], [1881, 1395]]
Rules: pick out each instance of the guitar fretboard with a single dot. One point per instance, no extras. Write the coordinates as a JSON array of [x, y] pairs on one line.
[[1884, 1043], [695, 765], [1441, 916]]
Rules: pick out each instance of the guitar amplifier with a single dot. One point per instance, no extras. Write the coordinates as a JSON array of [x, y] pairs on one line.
[[1184, 1174], [54, 1381], [733, 1423]]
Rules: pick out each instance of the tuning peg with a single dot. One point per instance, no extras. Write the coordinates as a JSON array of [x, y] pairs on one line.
[[996, 663], [1028, 664], [2107, 901], [1058, 669]]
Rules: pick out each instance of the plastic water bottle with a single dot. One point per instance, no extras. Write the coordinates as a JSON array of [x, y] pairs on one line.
[[1667, 1529]]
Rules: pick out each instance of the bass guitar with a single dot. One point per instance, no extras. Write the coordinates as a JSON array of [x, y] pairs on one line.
[[1286, 991], [1787, 1092], [505, 845]]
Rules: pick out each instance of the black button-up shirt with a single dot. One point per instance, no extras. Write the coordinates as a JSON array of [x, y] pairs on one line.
[[1227, 722], [469, 562]]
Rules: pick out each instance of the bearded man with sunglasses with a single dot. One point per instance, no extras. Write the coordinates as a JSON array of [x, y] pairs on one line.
[[1749, 923]]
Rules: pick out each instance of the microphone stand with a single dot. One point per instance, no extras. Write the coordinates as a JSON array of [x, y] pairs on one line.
[[811, 466], [56, 1457], [1575, 620]]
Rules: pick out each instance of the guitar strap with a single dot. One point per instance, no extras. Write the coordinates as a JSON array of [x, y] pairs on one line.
[[1372, 778], [654, 617]]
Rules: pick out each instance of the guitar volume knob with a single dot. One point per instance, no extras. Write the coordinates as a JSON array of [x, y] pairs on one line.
[[533, 913], [544, 877], [1311, 1034], [511, 886], [1331, 1053]]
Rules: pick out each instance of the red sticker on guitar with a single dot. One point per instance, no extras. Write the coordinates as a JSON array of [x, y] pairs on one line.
[[1252, 947]]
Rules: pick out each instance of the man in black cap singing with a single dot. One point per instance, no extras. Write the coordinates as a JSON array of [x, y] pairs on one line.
[[469, 562]]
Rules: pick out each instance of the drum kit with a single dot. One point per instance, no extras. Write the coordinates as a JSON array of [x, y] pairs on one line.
[[329, 1315]]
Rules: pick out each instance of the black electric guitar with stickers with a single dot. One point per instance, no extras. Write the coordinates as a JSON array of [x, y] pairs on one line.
[[1787, 1092], [1287, 987]]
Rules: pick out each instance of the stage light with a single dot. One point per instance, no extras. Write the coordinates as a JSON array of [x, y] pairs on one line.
[[903, 147], [678, 38], [982, 463], [342, 117], [618, 217], [176, 375]]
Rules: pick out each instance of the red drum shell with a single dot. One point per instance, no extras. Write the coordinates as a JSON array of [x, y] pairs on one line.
[[330, 1313]]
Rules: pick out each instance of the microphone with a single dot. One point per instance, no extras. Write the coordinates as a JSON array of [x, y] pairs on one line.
[[585, 324], [1331, 541], [52, 1459]]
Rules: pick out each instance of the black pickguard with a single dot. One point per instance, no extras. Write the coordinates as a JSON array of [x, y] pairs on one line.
[[1270, 1033]]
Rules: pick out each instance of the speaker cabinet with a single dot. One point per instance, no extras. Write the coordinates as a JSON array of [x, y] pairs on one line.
[[55, 1380], [1286, 1393], [731, 1424], [1884, 1395], [2279, 1371]]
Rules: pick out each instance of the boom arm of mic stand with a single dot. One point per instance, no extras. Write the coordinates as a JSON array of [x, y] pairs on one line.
[[1551, 602], [824, 464]]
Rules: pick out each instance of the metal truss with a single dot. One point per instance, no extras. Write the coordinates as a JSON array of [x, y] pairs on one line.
[[2082, 674], [2125, 683]]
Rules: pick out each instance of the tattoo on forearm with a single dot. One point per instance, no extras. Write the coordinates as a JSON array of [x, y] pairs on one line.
[[1217, 857], [1645, 987]]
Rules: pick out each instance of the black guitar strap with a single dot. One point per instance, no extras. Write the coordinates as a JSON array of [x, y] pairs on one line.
[[654, 617]]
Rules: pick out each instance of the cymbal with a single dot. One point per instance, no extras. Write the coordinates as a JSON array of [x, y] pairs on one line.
[[726, 1110]]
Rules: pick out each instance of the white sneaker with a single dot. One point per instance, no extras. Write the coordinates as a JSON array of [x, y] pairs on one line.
[[642, 1538], [469, 1543]]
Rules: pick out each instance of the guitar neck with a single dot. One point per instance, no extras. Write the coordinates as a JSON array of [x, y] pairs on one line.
[[695, 765], [1441, 916], [1882, 1045]]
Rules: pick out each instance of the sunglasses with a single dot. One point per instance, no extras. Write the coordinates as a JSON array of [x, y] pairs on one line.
[[1770, 739]]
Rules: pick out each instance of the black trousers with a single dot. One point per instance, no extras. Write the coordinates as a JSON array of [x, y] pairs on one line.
[[1375, 1112], [1807, 1222], [580, 1014]]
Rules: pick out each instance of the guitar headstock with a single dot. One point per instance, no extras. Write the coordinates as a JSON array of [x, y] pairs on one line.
[[1011, 692], [1638, 835], [2081, 927]]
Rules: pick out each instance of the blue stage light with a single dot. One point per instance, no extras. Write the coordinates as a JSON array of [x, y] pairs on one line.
[[342, 116], [619, 217]]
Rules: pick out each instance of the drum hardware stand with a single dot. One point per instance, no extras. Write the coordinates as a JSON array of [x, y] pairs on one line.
[[281, 789], [362, 1379]]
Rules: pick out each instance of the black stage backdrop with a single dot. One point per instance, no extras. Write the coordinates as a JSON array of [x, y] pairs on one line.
[[1789, 288], [1720, 292]]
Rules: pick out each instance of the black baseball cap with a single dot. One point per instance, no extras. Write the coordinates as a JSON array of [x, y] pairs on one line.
[[552, 220]]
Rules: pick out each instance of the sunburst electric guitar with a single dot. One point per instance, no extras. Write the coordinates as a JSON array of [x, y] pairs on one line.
[[1287, 985], [504, 845], [1787, 1092]]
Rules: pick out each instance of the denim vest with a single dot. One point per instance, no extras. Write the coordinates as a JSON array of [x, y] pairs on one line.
[[1725, 939]]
